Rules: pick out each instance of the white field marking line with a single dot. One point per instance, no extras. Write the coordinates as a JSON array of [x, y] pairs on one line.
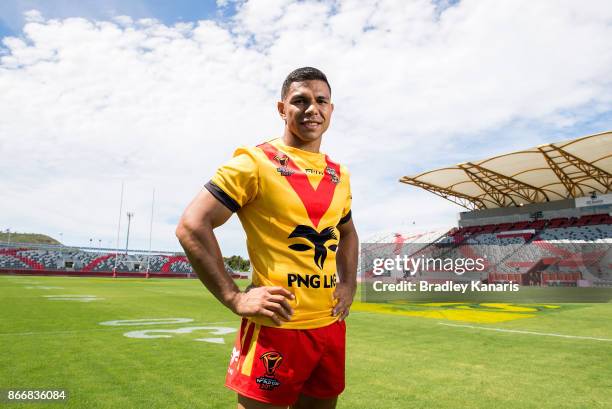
[[517, 331], [95, 330]]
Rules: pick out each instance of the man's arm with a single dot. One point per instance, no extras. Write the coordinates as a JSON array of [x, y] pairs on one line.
[[346, 265], [195, 233]]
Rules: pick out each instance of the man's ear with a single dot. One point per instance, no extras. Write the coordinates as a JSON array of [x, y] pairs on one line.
[[280, 105]]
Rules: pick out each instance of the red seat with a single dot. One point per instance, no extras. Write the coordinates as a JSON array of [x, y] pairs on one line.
[[558, 222], [583, 221], [520, 225]]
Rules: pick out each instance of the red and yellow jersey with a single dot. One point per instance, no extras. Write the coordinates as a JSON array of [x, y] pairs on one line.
[[290, 203]]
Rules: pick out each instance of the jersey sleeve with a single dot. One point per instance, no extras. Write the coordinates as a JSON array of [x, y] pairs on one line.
[[346, 210], [236, 182]]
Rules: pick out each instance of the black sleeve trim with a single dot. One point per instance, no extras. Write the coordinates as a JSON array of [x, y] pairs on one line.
[[221, 196], [345, 218]]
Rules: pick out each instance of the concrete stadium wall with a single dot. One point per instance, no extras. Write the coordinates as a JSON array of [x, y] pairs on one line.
[[550, 210]]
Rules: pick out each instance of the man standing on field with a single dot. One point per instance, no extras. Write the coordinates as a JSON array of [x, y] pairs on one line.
[[294, 204]]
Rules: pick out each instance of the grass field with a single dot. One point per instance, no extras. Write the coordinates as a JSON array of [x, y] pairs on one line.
[[399, 356]]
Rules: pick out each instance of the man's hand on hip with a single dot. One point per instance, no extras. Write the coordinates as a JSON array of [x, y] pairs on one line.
[[268, 302], [344, 294]]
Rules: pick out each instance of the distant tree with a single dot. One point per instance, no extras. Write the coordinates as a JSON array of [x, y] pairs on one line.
[[237, 263]]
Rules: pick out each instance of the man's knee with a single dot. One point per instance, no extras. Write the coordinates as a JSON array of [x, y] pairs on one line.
[[248, 403], [308, 402]]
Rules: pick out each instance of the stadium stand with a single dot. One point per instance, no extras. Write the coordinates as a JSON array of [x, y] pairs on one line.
[[559, 251], [540, 216], [53, 260]]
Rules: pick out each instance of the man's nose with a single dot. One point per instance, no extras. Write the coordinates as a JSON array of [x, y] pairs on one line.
[[311, 109]]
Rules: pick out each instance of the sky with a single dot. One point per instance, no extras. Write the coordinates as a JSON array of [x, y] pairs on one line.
[[159, 94]]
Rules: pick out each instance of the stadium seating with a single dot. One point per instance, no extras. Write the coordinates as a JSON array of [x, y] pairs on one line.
[[54, 259], [556, 246], [537, 225], [558, 251]]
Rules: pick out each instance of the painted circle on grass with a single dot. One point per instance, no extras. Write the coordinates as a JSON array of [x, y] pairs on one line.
[[161, 333]]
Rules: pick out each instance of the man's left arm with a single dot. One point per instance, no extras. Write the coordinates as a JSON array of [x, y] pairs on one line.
[[346, 265]]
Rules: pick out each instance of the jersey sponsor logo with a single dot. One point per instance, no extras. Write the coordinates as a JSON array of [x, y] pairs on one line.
[[317, 239], [310, 280], [314, 172], [271, 361], [315, 201]]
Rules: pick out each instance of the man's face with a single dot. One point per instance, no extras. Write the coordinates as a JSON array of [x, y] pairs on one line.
[[307, 109]]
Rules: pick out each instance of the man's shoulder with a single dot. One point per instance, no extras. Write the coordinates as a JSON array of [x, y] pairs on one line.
[[252, 152], [258, 150]]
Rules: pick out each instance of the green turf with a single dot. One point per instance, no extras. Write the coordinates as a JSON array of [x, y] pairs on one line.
[[393, 361]]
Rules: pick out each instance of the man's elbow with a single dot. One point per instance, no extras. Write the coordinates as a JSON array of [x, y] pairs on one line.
[[184, 229]]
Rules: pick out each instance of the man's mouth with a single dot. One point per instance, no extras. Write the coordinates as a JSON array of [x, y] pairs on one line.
[[311, 124]]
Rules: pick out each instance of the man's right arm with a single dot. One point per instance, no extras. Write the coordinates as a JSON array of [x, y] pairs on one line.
[[195, 233]]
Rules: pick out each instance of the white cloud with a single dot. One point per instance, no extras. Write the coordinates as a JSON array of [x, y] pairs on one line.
[[34, 16], [85, 103]]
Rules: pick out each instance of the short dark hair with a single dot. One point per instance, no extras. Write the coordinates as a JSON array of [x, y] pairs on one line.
[[303, 74]]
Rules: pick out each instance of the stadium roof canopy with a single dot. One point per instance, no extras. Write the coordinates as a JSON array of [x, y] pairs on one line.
[[555, 171]]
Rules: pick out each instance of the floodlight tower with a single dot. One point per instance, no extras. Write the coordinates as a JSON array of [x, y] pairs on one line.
[[150, 235], [127, 240], [62, 249], [118, 232]]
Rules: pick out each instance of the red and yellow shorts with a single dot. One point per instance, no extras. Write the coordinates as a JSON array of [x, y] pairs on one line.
[[275, 365]]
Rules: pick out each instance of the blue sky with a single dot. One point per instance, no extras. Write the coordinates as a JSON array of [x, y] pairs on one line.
[[169, 12]]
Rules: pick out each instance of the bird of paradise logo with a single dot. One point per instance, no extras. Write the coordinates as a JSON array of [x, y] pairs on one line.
[[318, 240]]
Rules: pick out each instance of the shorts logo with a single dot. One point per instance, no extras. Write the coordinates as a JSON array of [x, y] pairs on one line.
[[271, 361], [235, 356]]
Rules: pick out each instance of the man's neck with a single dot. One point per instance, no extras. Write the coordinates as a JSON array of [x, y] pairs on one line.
[[290, 140]]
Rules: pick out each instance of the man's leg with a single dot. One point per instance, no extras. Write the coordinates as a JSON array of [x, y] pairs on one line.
[[248, 403], [308, 402], [268, 366], [326, 381]]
